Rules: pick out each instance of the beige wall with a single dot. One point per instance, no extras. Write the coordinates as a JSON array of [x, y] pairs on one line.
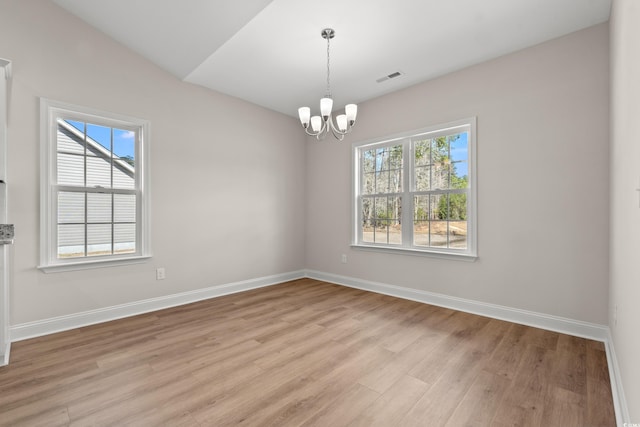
[[227, 177], [542, 117], [625, 200]]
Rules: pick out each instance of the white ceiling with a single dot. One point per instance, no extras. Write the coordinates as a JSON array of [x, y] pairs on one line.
[[270, 52]]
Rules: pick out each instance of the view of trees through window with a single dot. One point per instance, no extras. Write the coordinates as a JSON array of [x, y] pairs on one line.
[[382, 194], [440, 198], [437, 196]]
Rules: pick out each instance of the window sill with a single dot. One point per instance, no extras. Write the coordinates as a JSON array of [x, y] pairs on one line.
[[417, 252], [97, 263]]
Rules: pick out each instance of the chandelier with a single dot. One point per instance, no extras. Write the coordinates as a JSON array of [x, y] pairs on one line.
[[323, 124]]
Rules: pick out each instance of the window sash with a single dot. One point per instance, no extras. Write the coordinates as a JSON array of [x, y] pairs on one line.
[[86, 221], [86, 155], [409, 193], [120, 228], [101, 153]]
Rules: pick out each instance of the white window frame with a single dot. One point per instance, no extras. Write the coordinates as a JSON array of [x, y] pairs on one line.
[[405, 139], [50, 112]]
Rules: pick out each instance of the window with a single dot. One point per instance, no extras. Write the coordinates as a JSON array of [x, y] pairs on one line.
[[94, 189], [416, 191]]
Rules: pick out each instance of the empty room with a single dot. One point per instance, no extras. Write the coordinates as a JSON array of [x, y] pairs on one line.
[[291, 213]]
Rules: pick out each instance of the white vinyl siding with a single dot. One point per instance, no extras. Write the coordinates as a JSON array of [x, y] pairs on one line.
[[96, 195], [110, 218]]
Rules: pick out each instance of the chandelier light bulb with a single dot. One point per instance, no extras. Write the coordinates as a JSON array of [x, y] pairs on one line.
[[326, 104], [304, 113], [316, 123], [351, 110]]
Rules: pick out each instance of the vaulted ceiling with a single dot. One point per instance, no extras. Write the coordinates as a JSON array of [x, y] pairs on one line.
[[270, 52]]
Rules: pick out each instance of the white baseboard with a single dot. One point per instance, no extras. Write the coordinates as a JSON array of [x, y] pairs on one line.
[[530, 318], [539, 320], [63, 323], [5, 357], [619, 400], [554, 323]]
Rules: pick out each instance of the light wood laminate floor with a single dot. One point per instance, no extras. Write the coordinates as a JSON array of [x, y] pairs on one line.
[[307, 353]]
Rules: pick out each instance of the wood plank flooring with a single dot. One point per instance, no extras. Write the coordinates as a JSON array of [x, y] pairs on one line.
[[307, 353]]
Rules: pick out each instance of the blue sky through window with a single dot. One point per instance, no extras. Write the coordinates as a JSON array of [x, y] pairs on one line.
[[123, 140], [460, 153]]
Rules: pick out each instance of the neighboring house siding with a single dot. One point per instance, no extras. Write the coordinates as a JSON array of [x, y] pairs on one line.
[[98, 206]]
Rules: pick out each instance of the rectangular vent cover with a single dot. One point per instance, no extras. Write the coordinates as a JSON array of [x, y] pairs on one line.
[[389, 76]]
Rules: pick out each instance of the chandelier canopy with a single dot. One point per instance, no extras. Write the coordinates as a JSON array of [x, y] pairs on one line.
[[323, 124]]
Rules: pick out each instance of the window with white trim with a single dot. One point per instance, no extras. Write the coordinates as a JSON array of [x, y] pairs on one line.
[[94, 189], [416, 191]]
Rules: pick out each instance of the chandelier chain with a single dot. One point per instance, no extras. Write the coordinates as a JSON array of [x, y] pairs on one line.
[[328, 70]]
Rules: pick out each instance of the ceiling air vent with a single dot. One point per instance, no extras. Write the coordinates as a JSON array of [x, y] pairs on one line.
[[389, 76]]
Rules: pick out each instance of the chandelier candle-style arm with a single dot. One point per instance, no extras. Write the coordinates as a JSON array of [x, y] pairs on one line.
[[323, 124]]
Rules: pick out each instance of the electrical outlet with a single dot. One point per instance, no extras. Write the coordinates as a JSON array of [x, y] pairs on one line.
[[160, 274], [343, 258]]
